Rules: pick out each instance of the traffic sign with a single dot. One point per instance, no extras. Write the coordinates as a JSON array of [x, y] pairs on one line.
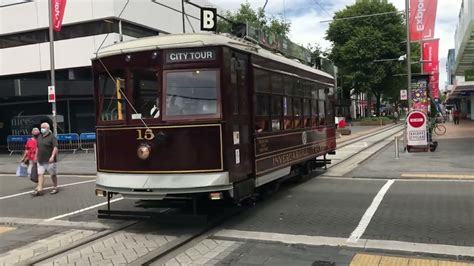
[[403, 95], [51, 94], [416, 129], [416, 119]]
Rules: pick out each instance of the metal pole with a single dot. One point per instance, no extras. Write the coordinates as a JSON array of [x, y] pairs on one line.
[[51, 53], [396, 148], [182, 15], [407, 17]]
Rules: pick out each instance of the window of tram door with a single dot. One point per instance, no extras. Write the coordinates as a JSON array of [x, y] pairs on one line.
[[307, 104], [146, 93], [289, 84], [322, 107], [191, 93], [314, 106], [298, 105], [262, 100], [111, 96], [277, 101]]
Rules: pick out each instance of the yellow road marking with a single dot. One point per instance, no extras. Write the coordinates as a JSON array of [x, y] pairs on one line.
[[4, 229], [441, 176], [378, 260]]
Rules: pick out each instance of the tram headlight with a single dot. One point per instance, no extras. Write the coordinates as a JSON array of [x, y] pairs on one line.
[[143, 151]]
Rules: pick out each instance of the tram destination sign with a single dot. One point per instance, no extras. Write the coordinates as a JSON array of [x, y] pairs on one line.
[[190, 56]]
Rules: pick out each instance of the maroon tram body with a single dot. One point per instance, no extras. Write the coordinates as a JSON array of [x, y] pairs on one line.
[[180, 116]]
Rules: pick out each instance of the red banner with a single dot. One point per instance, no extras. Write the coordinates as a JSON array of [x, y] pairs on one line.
[[58, 7], [422, 19], [434, 82], [430, 54]]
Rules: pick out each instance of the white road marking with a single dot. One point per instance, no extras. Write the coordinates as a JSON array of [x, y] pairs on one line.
[[338, 241], [81, 210], [86, 176], [28, 192], [369, 213]]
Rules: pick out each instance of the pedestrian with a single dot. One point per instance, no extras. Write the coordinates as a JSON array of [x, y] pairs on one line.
[[395, 116], [46, 158], [456, 115], [29, 156]]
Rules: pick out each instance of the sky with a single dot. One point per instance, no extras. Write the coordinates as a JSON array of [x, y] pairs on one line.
[[306, 18]]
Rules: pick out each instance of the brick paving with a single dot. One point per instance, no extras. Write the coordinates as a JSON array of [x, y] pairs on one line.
[[206, 252], [120, 248], [40, 247]]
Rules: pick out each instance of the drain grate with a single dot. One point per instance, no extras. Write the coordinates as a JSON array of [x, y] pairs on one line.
[[323, 263]]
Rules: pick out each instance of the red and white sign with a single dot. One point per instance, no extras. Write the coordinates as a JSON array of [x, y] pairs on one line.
[[51, 94], [403, 95], [416, 129], [430, 54], [422, 19], [58, 7]]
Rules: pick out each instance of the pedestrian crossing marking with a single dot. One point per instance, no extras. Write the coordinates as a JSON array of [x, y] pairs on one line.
[[439, 176], [379, 260], [4, 229]]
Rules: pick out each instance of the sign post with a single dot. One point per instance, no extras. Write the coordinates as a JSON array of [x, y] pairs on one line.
[[416, 129]]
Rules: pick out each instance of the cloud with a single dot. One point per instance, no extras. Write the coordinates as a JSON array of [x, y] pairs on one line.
[[305, 17]]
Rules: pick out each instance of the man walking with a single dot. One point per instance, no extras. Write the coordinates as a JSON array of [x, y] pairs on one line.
[[46, 158]]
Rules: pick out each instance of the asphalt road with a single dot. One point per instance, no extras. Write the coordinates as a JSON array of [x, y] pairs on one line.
[[434, 212]]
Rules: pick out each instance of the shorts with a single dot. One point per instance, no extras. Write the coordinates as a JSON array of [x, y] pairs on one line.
[[47, 167]]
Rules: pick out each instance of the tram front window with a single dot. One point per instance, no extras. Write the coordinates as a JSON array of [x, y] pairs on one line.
[[192, 93], [146, 91], [112, 101]]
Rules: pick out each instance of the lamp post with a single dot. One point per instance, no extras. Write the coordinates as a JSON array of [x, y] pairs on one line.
[[407, 18]]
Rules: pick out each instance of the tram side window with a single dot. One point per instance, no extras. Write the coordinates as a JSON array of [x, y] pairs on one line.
[[277, 110], [262, 104], [111, 90], [322, 113], [146, 93], [191, 93], [314, 112]]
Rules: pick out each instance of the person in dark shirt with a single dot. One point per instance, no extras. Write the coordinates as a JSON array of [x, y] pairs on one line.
[[46, 158]]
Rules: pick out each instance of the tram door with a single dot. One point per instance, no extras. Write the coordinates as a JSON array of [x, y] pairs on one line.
[[241, 153]]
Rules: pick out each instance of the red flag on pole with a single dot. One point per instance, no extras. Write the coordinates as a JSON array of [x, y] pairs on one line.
[[58, 7], [430, 55], [422, 19]]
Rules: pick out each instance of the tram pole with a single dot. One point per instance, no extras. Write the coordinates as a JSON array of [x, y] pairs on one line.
[[51, 53]]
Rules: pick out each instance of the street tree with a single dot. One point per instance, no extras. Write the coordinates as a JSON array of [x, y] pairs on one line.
[[366, 48], [255, 18]]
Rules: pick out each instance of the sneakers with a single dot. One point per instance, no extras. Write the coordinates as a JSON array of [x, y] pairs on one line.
[[54, 191]]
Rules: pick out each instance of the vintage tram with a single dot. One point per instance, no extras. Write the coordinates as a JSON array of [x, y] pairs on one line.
[[205, 115]]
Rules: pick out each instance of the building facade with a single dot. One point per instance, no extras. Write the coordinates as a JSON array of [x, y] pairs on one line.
[[87, 26]]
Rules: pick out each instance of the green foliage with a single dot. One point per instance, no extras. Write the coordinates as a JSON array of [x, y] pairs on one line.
[[359, 45], [256, 19]]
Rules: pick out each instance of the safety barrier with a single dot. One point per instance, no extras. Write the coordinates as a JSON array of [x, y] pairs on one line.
[[16, 143], [68, 142], [87, 141]]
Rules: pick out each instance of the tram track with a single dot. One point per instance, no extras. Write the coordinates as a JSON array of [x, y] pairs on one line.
[[186, 236]]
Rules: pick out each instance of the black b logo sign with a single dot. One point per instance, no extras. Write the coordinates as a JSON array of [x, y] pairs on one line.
[[208, 19]]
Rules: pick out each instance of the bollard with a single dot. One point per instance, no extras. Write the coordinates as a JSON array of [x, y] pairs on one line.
[[396, 147]]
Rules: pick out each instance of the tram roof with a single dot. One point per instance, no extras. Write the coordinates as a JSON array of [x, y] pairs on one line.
[[189, 40]]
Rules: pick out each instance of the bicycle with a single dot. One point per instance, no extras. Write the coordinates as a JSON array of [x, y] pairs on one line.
[[439, 129]]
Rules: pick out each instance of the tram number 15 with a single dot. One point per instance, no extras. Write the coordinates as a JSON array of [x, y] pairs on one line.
[[148, 134]]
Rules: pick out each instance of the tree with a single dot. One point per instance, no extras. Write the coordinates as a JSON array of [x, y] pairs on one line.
[[361, 45], [257, 19]]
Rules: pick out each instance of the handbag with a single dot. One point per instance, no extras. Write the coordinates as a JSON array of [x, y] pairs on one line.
[[34, 173], [21, 170]]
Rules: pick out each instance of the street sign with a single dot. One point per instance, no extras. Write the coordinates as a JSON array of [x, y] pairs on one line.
[[403, 95], [208, 19], [51, 94], [416, 129]]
